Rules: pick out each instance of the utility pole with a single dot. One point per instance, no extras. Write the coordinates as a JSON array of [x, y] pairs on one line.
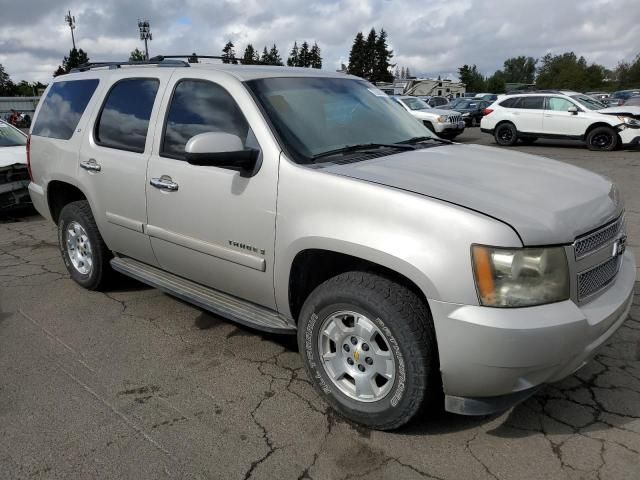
[[145, 34], [71, 21]]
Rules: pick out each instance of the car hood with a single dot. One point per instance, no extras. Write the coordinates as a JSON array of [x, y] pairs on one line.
[[433, 112], [13, 155], [545, 201], [630, 110]]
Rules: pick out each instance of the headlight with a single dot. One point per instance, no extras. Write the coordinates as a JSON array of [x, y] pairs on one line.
[[632, 122], [442, 119], [520, 277]]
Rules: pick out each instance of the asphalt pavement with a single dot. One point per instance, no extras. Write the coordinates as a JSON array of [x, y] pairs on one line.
[[133, 383]]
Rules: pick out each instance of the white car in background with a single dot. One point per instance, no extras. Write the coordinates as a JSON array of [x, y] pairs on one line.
[[444, 123], [561, 115], [14, 174]]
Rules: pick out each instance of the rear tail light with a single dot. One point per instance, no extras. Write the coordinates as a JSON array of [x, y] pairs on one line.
[[29, 157], [487, 111]]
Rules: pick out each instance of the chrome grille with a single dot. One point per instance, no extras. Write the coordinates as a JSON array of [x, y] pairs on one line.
[[454, 119], [592, 241], [595, 279]]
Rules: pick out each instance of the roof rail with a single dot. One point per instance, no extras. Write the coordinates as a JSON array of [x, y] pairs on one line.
[[520, 92], [215, 57], [159, 61]]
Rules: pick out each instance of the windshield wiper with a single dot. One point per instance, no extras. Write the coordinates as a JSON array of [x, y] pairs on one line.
[[415, 140], [363, 146]]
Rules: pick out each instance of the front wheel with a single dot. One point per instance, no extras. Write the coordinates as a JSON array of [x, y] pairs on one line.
[[602, 139], [369, 348]]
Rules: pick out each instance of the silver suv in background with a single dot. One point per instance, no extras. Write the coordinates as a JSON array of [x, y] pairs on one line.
[[416, 273]]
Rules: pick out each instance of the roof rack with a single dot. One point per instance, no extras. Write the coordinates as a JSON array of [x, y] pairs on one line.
[[215, 57], [159, 61], [520, 92]]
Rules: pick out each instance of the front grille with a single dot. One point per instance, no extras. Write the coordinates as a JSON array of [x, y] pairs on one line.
[[590, 242], [595, 279], [454, 119], [14, 173]]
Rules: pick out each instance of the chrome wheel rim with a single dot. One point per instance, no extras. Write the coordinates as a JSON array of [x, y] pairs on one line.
[[356, 356], [79, 248]]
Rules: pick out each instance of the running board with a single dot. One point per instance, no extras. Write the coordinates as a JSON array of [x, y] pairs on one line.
[[219, 303]]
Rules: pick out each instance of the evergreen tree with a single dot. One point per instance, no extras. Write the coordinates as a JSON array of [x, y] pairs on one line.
[[356, 56], [472, 78], [274, 56], [229, 54], [137, 55], [316, 58], [265, 57], [193, 58], [520, 69], [304, 57], [250, 55], [403, 74], [6, 85], [75, 59], [294, 55], [407, 73], [370, 55], [396, 73], [381, 69]]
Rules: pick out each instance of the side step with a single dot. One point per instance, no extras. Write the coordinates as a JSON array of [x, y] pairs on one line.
[[219, 303]]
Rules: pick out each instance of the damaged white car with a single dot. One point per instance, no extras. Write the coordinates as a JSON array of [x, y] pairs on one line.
[[14, 173]]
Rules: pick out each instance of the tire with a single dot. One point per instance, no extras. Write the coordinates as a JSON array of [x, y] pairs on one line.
[[401, 322], [528, 140], [506, 134], [602, 139], [78, 232]]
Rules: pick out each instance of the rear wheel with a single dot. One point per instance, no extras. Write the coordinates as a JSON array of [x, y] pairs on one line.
[[506, 134], [602, 139], [83, 250], [369, 347]]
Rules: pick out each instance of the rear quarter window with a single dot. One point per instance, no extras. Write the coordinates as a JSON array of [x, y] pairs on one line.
[[509, 102], [63, 107]]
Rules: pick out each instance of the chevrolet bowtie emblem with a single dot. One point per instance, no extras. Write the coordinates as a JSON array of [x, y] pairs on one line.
[[356, 355]]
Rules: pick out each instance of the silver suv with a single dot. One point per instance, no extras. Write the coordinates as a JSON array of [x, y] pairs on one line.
[[417, 273]]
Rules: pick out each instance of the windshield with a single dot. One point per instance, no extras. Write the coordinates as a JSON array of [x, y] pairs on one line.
[[314, 115], [466, 104], [11, 137], [589, 102], [415, 104]]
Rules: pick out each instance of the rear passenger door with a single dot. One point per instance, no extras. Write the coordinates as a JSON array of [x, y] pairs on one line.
[[113, 161], [528, 113]]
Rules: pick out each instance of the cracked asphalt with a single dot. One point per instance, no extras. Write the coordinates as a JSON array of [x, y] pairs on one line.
[[133, 383]]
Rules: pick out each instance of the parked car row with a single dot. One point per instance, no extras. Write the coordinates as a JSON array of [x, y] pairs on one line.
[[444, 123], [14, 175]]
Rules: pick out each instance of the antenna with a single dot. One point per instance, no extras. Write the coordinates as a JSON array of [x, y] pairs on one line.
[[145, 34], [71, 21]]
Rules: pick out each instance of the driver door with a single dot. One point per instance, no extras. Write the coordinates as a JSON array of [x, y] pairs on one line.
[[210, 224]]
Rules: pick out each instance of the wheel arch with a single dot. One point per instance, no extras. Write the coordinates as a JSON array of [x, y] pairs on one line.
[[312, 266], [59, 194], [597, 125]]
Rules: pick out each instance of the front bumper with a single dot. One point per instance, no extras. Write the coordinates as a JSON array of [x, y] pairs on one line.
[[13, 187], [629, 135], [492, 358]]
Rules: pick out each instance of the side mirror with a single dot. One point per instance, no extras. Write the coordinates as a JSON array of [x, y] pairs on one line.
[[223, 150], [573, 110]]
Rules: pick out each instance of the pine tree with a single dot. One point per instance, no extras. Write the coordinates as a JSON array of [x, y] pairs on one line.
[[396, 73], [75, 59], [193, 58], [266, 59], [356, 56], [137, 55], [274, 56], [229, 54], [407, 73], [304, 57], [316, 58], [249, 56], [403, 74], [370, 55], [382, 66], [294, 56], [6, 85]]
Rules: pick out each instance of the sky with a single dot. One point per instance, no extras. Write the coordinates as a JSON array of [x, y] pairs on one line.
[[431, 37]]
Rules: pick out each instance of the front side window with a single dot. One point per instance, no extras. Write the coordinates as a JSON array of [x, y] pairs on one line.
[[531, 103], [559, 104], [303, 110], [200, 106], [61, 111], [589, 102], [124, 120], [11, 137]]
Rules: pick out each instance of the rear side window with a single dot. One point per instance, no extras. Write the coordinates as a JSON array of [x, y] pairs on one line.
[[509, 102], [531, 103], [62, 109], [124, 120], [199, 106]]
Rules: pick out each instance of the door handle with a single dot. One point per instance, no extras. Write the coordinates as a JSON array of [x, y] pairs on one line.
[[164, 183], [91, 165]]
